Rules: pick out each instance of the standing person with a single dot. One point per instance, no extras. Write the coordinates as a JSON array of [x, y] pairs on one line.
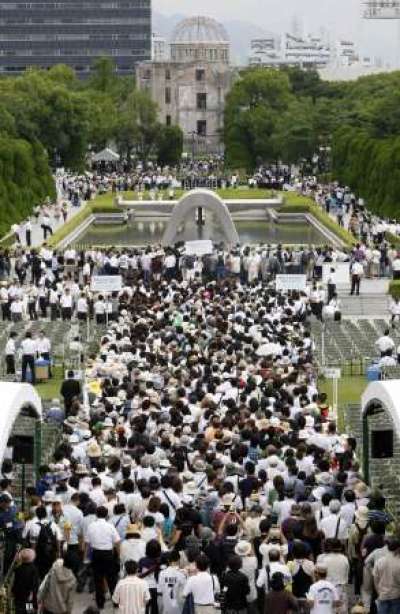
[[26, 583], [66, 302], [43, 345], [249, 568], [57, 591], [279, 600], [10, 351], [170, 585], [235, 586], [16, 229], [356, 272], [28, 348], [46, 227], [131, 594], [28, 233], [203, 587], [386, 574], [103, 539], [323, 597], [70, 388], [337, 565]]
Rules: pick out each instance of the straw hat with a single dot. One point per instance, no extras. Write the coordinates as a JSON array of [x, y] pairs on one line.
[[132, 529], [361, 516], [243, 548]]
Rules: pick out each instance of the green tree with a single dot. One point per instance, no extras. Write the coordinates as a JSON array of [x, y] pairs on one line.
[[169, 145]]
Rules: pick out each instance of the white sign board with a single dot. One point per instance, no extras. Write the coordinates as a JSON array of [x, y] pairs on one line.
[[332, 373], [106, 283], [198, 248], [291, 282], [341, 276]]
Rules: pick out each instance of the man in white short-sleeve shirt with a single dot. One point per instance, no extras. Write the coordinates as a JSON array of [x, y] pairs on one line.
[[323, 597], [102, 537]]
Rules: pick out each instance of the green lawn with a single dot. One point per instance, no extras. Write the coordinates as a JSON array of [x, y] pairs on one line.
[[51, 389], [349, 391]]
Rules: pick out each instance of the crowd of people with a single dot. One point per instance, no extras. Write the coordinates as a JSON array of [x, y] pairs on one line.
[[200, 468], [204, 469]]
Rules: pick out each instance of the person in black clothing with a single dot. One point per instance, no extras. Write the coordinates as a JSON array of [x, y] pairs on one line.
[[26, 583], [70, 388], [250, 483], [235, 587], [187, 522]]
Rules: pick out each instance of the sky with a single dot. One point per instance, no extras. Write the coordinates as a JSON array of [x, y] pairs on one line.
[[341, 18]]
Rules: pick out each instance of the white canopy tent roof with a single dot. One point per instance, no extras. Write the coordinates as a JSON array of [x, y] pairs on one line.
[[13, 398], [106, 155], [387, 393]]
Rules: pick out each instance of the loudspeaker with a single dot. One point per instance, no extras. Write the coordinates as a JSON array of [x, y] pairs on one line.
[[382, 444], [23, 450]]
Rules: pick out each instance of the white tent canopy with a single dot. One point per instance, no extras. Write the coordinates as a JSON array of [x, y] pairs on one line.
[[13, 398], [106, 155], [386, 393]]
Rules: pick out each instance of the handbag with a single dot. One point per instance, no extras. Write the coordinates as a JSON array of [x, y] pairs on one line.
[[188, 605], [44, 587]]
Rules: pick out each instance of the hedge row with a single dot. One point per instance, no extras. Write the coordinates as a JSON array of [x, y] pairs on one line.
[[25, 180], [371, 166]]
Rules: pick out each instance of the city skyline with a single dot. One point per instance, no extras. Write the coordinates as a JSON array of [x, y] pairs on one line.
[[379, 39]]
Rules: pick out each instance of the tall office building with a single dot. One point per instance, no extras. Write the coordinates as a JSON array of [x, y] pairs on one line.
[[74, 32]]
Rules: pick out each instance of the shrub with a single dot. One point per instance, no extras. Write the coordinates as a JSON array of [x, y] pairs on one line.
[[394, 288]]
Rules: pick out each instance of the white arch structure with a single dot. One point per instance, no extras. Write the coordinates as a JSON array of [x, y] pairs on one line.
[[14, 397], [207, 200], [383, 394]]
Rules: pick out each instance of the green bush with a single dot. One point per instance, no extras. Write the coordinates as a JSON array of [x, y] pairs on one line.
[[394, 289], [25, 180]]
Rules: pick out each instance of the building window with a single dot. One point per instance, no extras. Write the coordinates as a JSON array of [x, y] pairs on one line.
[[200, 74], [168, 120], [202, 127], [202, 102], [167, 95], [168, 75]]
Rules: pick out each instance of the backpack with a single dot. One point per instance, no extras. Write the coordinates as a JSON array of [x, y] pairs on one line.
[[301, 582], [46, 545]]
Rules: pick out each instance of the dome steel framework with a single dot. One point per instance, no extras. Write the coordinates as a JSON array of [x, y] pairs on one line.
[[200, 30]]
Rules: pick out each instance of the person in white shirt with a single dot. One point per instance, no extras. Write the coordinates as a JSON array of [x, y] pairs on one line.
[[73, 529], [170, 586], [357, 271], [9, 352], [46, 227], [322, 597], [131, 594], [274, 566], [133, 547], [66, 302], [99, 309], [102, 537], [203, 586], [82, 308], [43, 346], [17, 308], [333, 525], [395, 311], [385, 344], [28, 349], [337, 566]]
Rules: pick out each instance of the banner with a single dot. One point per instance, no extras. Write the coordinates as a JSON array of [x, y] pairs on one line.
[[198, 248], [106, 283], [291, 282]]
